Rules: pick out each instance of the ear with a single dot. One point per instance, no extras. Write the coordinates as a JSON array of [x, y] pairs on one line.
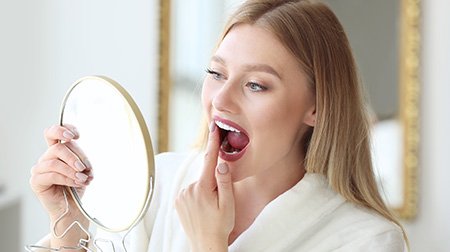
[[310, 116]]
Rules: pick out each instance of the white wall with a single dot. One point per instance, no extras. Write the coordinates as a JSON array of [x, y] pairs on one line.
[[22, 103], [431, 229], [47, 45]]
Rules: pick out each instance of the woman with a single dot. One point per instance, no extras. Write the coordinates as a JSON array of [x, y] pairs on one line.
[[287, 163]]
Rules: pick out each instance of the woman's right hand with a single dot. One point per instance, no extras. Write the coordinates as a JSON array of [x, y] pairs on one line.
[[63, 164]]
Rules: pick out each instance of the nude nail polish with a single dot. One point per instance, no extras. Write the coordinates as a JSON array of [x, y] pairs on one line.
[[68, 135], [81, 177], [79, 165]]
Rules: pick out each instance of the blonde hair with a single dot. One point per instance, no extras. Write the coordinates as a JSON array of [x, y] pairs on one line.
[[339, 145]]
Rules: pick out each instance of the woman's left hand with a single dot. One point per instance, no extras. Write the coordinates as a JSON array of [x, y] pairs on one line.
[[206, 207]]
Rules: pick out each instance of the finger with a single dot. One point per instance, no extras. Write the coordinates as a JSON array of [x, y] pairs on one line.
[[181, 199], [207, 177], [224, 187], [73, 129], [44, 181], [89, 173], [62, 152], [58, 166], [90, 176], [57, 133], [53, 165], [79, 153]]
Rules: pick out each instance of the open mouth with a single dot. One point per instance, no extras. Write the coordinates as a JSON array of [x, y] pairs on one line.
[[233, 140]]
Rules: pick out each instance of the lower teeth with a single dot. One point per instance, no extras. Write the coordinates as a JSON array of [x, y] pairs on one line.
[[227, 148]]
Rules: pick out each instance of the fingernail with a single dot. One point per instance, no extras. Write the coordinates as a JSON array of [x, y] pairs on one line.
[[68, 135], [75, 131], [222, 168], [81, 177], [79, 165], [87, 163], [212, 127]]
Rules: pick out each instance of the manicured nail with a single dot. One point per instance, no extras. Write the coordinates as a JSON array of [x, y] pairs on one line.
[[75, 131], [81, 177], [79, 165], [212, 127], [68, 135], [222, 168], [87, 163]]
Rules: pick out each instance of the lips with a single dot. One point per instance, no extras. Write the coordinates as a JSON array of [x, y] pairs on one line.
[[234, 140]]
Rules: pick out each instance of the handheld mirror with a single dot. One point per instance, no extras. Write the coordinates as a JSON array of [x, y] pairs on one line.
[[115, 139]]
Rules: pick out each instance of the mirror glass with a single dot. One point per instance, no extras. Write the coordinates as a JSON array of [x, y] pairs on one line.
[[373, 29], [384, 36], [115, 139]]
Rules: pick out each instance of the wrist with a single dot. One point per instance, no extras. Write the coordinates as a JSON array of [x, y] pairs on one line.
[[210, 244], [60, 225]]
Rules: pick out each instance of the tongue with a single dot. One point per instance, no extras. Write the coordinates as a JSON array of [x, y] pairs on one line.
[[237, 140]]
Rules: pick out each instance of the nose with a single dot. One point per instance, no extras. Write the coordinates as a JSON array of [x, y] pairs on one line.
[[226, 98]]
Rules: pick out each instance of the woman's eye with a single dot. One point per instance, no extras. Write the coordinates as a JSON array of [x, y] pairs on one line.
[[255, 87], [215, 75]]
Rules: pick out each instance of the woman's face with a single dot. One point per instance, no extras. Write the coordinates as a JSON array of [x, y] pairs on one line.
[[259, 98]]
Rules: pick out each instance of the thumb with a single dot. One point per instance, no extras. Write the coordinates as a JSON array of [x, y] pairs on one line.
[[224, 186]]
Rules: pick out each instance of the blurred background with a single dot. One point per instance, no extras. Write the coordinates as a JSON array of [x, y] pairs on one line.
[[45, 46]]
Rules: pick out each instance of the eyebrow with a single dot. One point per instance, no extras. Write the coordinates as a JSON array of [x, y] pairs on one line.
[[251, 67]]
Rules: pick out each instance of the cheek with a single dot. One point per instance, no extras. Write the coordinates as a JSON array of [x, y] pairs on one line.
[[283, 119]]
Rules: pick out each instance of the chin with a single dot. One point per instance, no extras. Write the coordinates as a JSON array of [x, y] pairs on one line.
[[237, 174]]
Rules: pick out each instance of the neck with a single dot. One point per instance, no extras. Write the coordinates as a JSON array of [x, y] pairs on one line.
[[268, 185], [254, 193]]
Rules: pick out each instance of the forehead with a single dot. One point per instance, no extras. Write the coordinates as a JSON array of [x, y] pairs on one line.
[[250, 44]]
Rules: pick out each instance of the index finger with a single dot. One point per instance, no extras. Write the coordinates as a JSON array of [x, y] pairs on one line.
[[208, 177], [57, 133]]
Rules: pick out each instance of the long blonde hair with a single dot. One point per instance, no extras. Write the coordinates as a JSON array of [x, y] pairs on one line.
[[339, 145]]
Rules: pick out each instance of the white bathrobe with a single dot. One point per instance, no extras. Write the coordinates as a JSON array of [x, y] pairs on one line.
[[308, 217]]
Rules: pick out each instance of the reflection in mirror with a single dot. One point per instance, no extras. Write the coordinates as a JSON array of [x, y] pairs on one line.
[[115, 139], [384, 36], [373, 28]]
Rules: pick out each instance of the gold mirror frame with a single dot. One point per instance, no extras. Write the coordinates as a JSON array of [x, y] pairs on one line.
[[409, 95], [134, 114], [409, 67], [164, 76]]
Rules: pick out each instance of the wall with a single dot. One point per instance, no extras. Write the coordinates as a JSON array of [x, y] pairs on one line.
[[430, 230], [24, 112], [47, 45]]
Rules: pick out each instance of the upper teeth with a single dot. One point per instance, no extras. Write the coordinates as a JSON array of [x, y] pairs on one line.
[[226, 127]]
